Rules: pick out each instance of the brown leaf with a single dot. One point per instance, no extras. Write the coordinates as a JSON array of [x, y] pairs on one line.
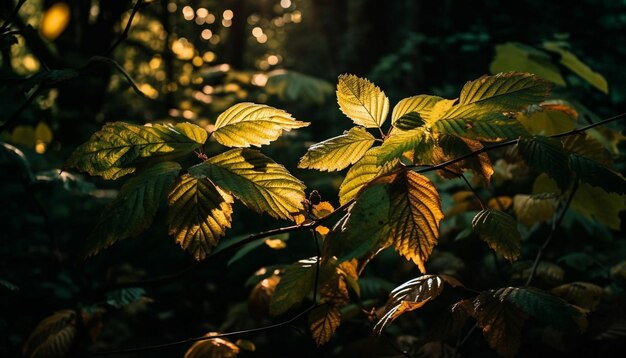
[[323, 321]]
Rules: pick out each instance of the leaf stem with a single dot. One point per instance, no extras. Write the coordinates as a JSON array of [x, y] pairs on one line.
[[205, 338], [9, 19], [555, 225], [124, 34]]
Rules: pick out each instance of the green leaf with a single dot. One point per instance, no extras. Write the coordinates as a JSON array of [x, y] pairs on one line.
[[504, 92], [199, 214], [499, 231], [259, 182], [339, 152], [572, 62], [531, 209], [114, 150], [246, 124], [415, 213], [406, 112], [364, 229], [500, 321], [361, 173], [596, 174], [125, 296], [295, 284], [297, 87], [323, 322], [546, 155], [490, 127], [53, 337], [134, 208], [362, 101], [545, 307], [409, 296], [419, 140], [513, 56]]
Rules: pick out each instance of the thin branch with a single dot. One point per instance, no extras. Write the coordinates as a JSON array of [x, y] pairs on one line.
[[512, 142], [118, 67], [9, 19], [205, 338], [317, 265], [124, 34], [38, 89], [555, 225]]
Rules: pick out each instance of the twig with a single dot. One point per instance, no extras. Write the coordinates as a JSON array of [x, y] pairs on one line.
[[555, 225], [118, 67], [38, 89], [124, 34], [512, 142], [9, 19], [205, 338], [317, 265]]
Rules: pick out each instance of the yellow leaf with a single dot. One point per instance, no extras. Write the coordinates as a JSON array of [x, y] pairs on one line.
[[215, 347], [339, 152], [361, 173], [362, 101], [199, 213], [322, 230], [322, 209], [275, 244], [501, 203], [414, 216], [23, 135], [531, 209], [259, 300], [260, 183], [590, 201], [437, 111], [323, 321], [421, 104], [572, 62], [43, 133], [513, 56], [548, 120], [249, 124], [55, 20]]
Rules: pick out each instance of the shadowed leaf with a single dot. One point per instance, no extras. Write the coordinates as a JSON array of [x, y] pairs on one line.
[[415, 213], [323, 321], [294, 285], [134, 208], [53, 336], [199, 214], [256, 180], [546, 155], [418, 140], [501, 323], [361, 173], [114, 150], [499, 231]]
